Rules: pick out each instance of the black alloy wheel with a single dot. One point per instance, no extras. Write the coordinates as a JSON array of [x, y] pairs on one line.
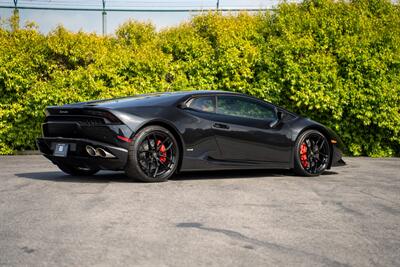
[[312, 153], [153, 155]]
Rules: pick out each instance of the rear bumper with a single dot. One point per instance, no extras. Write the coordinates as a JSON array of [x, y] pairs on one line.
[[78, 156]]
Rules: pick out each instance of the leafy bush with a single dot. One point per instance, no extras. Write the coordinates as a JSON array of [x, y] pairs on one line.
[[337, 62]]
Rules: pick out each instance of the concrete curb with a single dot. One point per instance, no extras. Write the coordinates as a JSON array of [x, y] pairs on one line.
[[28, 152]]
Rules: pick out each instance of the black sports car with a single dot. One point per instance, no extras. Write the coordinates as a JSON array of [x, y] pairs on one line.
[[153, 136]]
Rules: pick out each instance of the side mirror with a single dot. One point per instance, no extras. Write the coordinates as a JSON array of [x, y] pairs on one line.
[[279, 117]]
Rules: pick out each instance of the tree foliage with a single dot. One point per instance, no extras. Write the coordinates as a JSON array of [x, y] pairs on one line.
[[337, 62]]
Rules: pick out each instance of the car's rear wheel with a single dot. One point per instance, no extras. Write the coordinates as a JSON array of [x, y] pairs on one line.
[[153, 155], [312, 153], [75, 170]]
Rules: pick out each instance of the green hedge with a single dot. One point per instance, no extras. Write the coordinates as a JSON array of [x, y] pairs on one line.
[[335, 62]]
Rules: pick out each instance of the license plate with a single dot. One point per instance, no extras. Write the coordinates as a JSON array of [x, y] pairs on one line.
[[61, 150]]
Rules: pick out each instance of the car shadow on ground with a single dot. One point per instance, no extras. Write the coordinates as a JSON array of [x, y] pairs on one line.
[[236, 174], [120, 177], [58, 176], [230, 174]]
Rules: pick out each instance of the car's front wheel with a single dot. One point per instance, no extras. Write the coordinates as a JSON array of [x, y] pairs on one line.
[[312, 153], [153, 155]]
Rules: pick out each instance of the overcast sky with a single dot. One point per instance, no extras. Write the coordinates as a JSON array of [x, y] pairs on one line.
[[91, 21]]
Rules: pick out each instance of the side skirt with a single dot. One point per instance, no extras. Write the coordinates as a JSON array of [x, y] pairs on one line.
[[196, 164]]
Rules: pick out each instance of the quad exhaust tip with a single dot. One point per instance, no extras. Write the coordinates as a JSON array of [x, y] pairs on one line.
[[104, 154], [91, 151], [98, 152]]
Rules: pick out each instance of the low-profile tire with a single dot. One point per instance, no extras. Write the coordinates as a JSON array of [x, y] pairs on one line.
[[76, 171], [153, 155], [312, 153]]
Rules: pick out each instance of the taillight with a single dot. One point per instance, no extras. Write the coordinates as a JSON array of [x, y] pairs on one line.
[[104, 114]]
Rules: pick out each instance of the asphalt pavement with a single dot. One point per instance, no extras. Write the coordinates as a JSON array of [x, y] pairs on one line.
[[348, 217]]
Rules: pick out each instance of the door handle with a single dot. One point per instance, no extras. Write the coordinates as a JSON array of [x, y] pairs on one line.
[[220, 126]]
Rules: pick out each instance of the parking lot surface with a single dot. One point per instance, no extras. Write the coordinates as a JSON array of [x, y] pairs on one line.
[[348, 217]]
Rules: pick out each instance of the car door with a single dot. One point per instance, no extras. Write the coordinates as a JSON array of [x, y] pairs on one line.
[[199, 136], [242, 126]]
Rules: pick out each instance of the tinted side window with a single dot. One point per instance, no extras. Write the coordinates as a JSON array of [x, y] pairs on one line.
[[242, 107], [206, 103]]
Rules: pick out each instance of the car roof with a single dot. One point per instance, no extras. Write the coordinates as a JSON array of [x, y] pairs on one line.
[[174, 95], [194, 92], [164, 98], [152, 99]]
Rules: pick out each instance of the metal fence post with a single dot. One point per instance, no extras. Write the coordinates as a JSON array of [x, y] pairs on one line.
[[15, 17], [104, 18]]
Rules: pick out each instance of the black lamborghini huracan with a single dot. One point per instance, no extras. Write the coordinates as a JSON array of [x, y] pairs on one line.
[[153, 136]]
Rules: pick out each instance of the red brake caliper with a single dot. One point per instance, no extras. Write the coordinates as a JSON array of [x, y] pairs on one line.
[[303, 155], [163, 157]]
